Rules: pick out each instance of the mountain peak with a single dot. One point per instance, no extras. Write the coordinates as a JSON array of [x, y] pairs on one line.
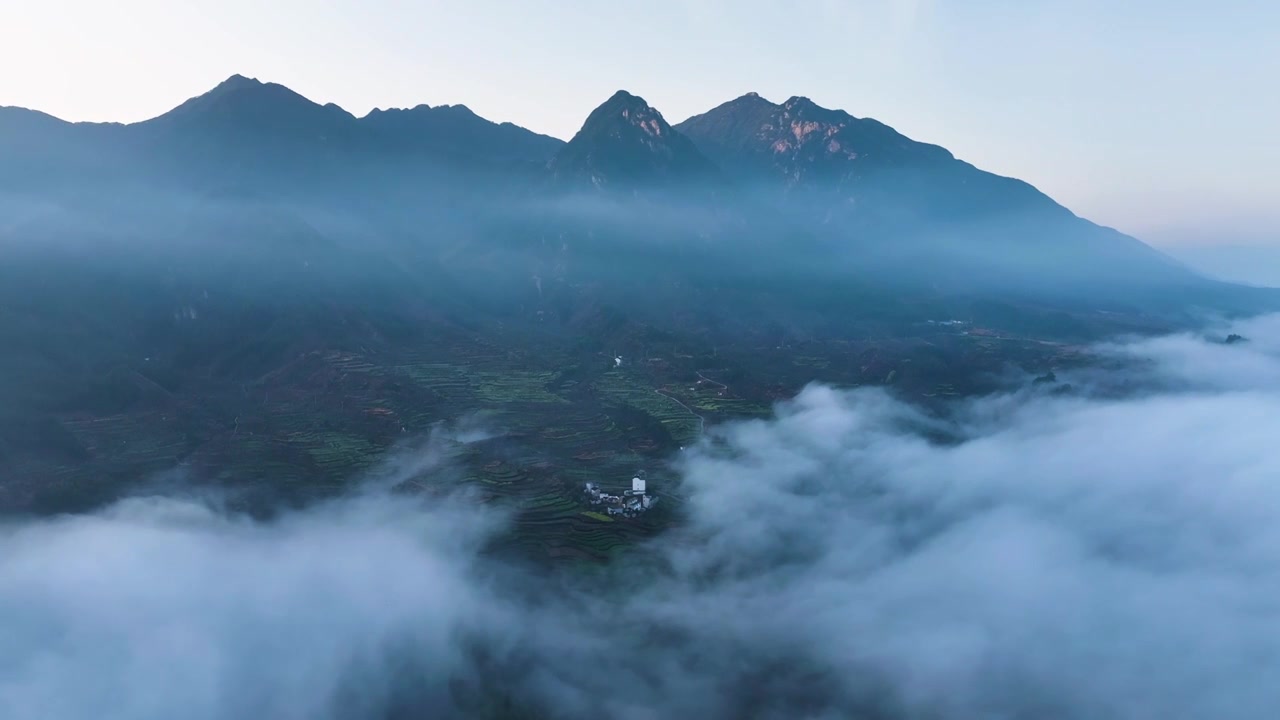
[[424, 110], [630, 109], [626, 109], [749, 100], [800, 106], [455, 131], [241, 88], [801, 142], [391, 111], [238, 81], [626, 140], [458, 110], [623, 100], [241, 101]]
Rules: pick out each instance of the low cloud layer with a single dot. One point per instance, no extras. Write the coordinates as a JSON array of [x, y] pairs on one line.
[[1112, 552]]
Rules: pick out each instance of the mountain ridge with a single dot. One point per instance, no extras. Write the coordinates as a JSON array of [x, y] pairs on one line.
[[431, 127], [690, 127], [855, 188]]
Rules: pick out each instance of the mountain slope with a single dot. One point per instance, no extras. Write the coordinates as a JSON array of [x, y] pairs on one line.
[[914, 207], [41, 152], [801, 145]]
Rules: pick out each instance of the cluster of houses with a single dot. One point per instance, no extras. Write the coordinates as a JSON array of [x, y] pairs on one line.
[[629, 504]]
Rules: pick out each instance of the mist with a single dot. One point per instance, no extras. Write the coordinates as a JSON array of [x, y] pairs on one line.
[[1105, 548], [1253, 261]]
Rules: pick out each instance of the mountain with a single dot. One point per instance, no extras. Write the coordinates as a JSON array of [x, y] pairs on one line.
[[17, 122], [626, 143], [799, 142], [915, 207], [40, 151], [801, 146], [244, 105], [455, 132], [750, 183], [249, 136]]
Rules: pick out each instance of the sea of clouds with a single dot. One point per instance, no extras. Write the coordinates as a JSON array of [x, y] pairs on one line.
[[1108, 552]]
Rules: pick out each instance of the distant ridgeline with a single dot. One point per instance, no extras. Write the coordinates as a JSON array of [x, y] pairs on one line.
[[756, 190]]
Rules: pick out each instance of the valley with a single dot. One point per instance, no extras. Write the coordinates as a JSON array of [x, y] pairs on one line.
[[269, 299], [553, 418]]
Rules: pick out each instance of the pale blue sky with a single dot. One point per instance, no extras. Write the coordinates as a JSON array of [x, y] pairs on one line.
[[1160, 117]]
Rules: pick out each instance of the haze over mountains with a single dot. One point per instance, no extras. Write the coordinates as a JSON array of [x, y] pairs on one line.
[[851, 191]]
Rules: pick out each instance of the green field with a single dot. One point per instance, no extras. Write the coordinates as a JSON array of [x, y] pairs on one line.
[[558, 419]]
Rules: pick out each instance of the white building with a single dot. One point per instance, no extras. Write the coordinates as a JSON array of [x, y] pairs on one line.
[[629, 504]]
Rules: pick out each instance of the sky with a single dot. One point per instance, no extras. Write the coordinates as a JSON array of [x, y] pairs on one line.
[[1157, 117]]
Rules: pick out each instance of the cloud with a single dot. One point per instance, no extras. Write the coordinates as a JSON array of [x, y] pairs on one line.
[[161, 608], [1112, 552], [169, 607]]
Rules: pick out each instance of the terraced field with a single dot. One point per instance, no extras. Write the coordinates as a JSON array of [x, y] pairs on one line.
[[148, 440], [682, 425], [552, 434], [451, 382], [516, 386], [558, 417], [716, 401], [329, 419]]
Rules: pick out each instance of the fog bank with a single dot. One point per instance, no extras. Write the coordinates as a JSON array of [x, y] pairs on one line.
[[1112, 551]]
